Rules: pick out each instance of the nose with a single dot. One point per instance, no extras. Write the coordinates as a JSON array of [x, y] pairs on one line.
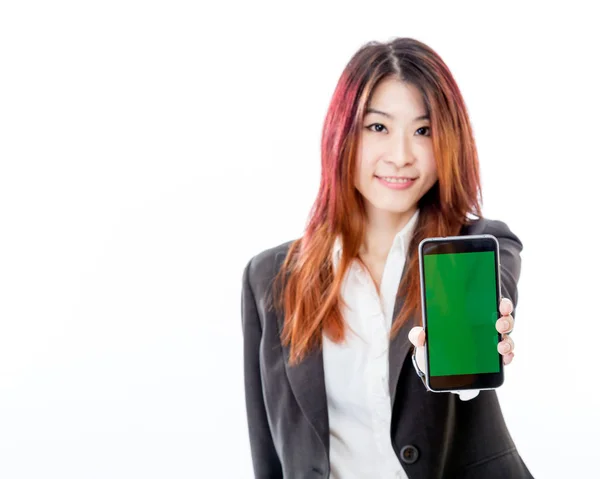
[[399, 152]]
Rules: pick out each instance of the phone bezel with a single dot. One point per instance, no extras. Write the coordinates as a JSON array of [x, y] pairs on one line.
[[465, 243]]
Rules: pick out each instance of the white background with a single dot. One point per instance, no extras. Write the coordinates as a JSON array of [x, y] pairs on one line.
[[149, 149]]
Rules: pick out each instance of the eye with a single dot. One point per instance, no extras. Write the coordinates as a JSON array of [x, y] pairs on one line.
[[375, 124], [425, 128]]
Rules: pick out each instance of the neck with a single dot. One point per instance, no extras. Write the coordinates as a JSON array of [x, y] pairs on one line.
[[381, 229]]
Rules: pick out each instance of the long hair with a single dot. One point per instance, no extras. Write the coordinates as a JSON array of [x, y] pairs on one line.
[[307, 291]]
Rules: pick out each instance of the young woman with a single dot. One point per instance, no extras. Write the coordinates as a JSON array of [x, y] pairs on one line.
[[329, 318]]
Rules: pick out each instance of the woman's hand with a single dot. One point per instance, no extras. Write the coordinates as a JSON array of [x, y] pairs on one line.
[[504, 325]]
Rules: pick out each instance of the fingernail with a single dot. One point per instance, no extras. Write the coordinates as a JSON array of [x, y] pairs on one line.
[[504, 324], [505, 347]]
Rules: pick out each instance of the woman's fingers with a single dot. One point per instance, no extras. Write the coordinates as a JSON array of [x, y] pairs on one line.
[[506, 307], [506, 346], [505, 324], [508, 358]]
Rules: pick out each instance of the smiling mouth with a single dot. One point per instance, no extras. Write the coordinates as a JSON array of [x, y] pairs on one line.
[[396, 179]]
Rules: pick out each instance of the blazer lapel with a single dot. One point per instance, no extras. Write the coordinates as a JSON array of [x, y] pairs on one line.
[[307, 380], [399, 346]]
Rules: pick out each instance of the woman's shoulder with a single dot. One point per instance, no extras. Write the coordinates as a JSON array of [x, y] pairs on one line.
[[486, 225], [263, 266], [495, 227]]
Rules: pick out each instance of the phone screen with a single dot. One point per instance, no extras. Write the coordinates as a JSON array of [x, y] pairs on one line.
[[461, 301]]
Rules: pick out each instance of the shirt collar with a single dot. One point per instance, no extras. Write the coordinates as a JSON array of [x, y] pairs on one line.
[[401, 240]]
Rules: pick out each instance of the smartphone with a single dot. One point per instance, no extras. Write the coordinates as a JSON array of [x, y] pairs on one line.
[[460, 299]]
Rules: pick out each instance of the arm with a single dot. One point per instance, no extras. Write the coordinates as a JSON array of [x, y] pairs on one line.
[[510, 260], [264, 457]]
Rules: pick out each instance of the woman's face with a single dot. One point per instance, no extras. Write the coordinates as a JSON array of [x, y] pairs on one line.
[[395, 143]]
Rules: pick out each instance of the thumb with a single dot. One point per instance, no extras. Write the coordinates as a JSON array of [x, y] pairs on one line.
[[417, 336]]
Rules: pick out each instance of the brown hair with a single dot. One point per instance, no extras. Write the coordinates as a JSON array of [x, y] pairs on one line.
[[307, 292]]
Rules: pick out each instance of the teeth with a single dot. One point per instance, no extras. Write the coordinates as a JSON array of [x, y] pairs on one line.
[[395, 180]]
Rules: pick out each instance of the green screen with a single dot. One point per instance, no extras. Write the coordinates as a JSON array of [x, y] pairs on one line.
[[460, 300]]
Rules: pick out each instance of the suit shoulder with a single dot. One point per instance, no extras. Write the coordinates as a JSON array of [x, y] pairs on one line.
[[263, 266], [497, 228], [486, 225]]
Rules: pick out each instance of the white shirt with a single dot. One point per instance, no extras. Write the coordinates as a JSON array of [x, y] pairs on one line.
[[356, 371]]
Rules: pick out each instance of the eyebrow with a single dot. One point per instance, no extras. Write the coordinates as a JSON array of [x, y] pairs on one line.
[[373, 110]]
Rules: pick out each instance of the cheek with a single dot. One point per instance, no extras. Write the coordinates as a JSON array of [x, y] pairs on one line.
[[364, 170], [431, 169]]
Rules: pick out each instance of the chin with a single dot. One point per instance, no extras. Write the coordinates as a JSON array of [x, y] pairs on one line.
[[395, 209]]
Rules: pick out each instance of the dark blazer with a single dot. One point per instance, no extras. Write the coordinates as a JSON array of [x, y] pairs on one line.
[[434, 435]]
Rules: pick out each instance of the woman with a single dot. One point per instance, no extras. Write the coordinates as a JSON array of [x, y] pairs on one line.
[[328, 319]]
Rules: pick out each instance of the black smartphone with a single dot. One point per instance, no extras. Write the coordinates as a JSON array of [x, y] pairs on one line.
[[460, 298]]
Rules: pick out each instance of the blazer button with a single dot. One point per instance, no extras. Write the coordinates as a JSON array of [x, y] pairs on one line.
[[409, 454]]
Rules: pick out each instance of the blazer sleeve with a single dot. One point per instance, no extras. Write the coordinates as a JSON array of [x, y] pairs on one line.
[[510, 260], [265, 461]]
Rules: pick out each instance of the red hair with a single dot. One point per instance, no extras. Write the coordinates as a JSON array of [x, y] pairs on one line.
[[309, 295]]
